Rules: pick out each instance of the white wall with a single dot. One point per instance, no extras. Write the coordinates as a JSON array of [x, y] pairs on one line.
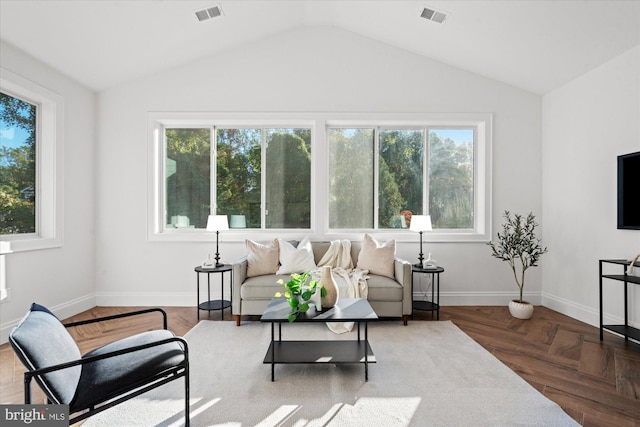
[[61, 278], [586, 124], [313, 69]]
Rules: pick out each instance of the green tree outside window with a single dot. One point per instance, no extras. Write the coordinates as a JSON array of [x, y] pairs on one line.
[[17, 166]]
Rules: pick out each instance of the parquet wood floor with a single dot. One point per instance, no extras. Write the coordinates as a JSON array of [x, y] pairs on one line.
[[596, 383]]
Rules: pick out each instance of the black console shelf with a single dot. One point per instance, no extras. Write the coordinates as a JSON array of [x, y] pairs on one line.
[[625, 330]]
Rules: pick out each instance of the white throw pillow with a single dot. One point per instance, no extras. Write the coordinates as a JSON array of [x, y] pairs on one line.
[[262, 259], [296, 260], [377, 258]]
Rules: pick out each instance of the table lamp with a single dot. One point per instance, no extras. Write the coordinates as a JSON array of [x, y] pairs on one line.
[[217, 223], [420, 223]]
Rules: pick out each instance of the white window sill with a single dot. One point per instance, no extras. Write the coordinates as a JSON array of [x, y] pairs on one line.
[[401, 235], [26, 244]]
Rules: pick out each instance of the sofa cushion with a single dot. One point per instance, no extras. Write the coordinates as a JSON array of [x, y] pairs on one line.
[[376, 257], [262, 287], [382, 288], [296, 260], [262, 259]]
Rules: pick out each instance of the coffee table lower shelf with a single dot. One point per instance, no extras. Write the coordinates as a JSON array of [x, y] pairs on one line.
[[332, 352]]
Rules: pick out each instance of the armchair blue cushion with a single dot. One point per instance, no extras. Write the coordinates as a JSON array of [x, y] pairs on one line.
[[116, 375], [103, 377], [41, 340]]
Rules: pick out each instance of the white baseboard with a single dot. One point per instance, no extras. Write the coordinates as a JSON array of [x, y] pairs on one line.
[[64, 310], [581, 312], [479, 298], [187, 299], [169, 299]]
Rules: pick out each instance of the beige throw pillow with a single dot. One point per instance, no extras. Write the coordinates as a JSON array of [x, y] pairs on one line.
[[377, 258], [262, 259], [296, 260]]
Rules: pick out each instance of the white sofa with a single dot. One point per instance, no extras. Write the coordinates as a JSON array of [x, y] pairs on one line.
[[388, 297]]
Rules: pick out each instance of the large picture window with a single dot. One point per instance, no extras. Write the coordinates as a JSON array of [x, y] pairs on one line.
[[326, 175], [400, 176], [288, 178], [415, 175], [451, 181], [31, 184], [248, 169], [17, 165], [239, 177], [351, 183], [187, 175]]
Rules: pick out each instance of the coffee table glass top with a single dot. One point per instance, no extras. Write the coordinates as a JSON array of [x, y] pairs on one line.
[[346, 310]]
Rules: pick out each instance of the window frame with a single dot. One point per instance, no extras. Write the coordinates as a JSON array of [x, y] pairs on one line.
[[481, 122], [163, 196], [319, 123], [156, 229], [49, 163]]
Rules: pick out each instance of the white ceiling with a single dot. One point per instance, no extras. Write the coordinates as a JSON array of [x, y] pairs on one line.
[[536, 45]]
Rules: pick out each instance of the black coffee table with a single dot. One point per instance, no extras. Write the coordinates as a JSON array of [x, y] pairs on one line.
[[356, 310]]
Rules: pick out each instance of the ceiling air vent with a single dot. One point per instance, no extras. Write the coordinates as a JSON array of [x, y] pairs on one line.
[[208, 13], [434, 15]]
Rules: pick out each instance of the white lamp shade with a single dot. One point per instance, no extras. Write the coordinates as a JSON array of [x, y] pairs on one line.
[[420, 223], [217, 223]]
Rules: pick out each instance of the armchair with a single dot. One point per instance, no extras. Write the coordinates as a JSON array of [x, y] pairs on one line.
[[104, 377]]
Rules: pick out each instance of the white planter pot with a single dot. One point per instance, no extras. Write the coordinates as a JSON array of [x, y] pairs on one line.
[[520, 310]]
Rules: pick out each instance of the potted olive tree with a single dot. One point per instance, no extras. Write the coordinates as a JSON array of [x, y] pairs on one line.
[[518, 245]]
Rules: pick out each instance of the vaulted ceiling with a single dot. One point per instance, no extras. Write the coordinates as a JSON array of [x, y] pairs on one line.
[[536, 45]]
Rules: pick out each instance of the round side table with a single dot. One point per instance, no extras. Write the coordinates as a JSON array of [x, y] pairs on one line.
[[434, 304], [219, 304]]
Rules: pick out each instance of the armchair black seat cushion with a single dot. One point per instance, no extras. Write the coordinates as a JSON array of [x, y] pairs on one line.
[[112, 373]]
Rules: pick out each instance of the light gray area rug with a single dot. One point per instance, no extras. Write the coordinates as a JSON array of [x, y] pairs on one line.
[[427, 374]]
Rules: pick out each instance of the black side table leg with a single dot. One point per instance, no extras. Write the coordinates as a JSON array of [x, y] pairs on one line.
[[222, 295], [208, 294], [438, 297]]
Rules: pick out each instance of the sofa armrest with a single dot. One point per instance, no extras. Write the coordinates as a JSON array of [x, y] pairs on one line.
[[239, 276], [403, 277]]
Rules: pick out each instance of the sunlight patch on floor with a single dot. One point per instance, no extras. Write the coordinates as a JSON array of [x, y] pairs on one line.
[[278, 416], [195, 411]]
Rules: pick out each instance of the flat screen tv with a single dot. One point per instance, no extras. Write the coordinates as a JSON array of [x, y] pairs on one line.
[[629, 191]]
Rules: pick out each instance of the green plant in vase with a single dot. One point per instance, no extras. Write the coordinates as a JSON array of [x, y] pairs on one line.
[[298, 293]]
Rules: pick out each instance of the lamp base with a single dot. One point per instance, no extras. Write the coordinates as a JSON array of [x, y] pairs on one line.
[[217, 257], [420, 255], [420, 263]]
